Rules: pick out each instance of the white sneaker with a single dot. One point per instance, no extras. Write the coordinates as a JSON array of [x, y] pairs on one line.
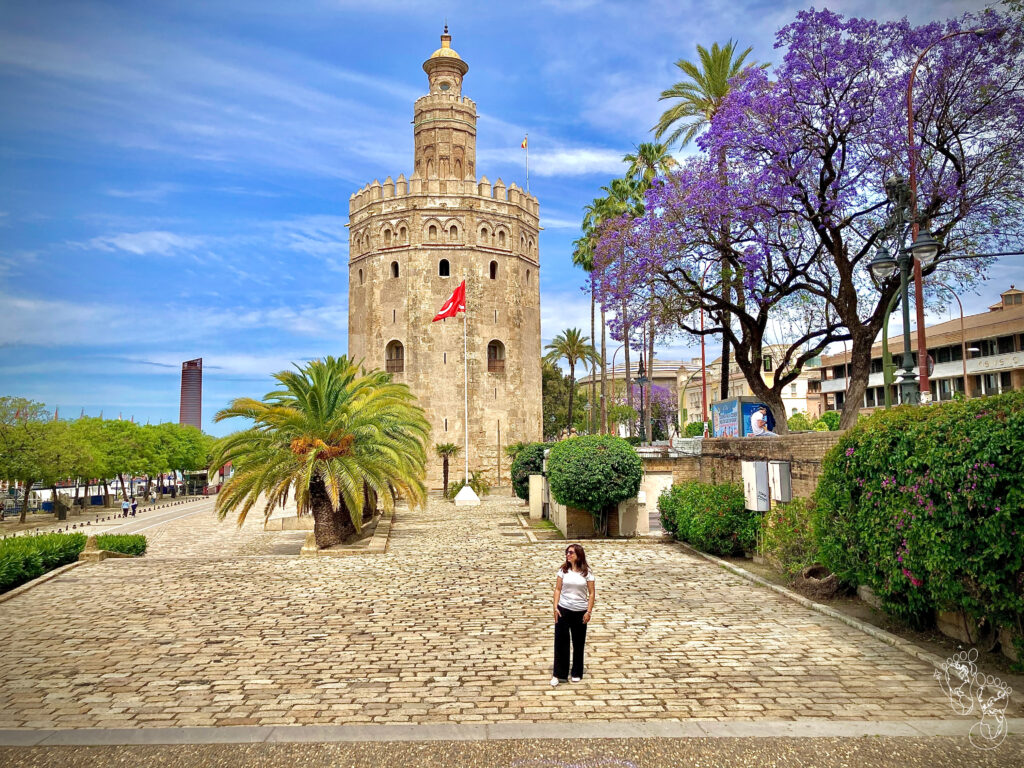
[[576, 679], [554, 681]]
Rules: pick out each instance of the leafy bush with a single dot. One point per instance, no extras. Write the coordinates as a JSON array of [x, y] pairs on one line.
[[787, 536], [634, 441], [820, 425], [710, 517], [594, 473], [799, 422], [694, 429], [831, 419], [529, 461], [126, 543], [477, 482], [24, 558], [926, 506]]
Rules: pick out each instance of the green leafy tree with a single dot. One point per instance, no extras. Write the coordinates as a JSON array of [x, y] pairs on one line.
[[595, 473], [446, 451], [572, 346], [24, 455], [331, 432], [555, 398], [529, 461]]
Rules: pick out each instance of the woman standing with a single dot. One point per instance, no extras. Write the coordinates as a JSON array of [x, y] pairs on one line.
[[574, 602]]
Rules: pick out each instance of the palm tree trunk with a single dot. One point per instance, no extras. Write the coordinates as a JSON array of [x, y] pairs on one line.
[[444, 474], [723, 235], [650, 375], [604, 375], [593, 364], [572, 393], [326, 529]]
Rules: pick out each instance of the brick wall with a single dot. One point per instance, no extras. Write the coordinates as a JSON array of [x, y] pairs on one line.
[[720, 459]]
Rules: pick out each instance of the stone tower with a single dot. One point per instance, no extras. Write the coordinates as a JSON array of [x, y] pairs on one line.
[[411, 242]]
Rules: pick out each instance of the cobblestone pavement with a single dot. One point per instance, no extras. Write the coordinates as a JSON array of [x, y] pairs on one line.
[[452, 624]]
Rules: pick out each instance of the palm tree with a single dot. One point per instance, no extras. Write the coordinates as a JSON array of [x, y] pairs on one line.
[[698, 99], [701, 94], [446, 451], [574, 347], [650, 161], [334, 432]]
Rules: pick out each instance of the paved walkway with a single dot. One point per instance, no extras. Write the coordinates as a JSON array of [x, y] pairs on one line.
[[451, 625]]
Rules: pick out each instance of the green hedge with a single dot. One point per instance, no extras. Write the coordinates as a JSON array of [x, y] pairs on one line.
[[529, 461], [24, 558], [926, 506], [710, 517], [595, 473], [127, 543], [694, 429]]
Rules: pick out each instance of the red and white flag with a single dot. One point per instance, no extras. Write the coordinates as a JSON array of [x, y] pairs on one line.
[[455, 304]]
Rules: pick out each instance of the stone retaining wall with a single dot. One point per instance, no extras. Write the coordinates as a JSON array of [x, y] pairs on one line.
[[720, 458]]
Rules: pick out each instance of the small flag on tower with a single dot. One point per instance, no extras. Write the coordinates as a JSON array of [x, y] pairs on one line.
[[523, 145], [455, 304]]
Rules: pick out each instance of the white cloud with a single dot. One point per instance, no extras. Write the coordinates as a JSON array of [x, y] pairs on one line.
[[157, 242], [562, 161]]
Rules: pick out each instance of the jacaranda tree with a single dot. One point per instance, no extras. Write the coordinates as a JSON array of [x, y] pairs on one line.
[[803, 198]]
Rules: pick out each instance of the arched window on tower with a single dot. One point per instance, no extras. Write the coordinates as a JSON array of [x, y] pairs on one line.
[[403, 235], [485, 236], [395, 354], [387, 237], [444, 269], [458, 169], [494, 270], [529, 246], [360, 277], [501, 239], [527, 277], [495, 357], [453, 233], [394, 269], [432, 233], [366, 241]]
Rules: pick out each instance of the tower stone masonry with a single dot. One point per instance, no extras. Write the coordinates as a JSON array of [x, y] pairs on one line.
[[411, 242]]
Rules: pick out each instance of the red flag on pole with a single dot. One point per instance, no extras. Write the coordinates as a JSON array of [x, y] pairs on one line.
[[455, 304]]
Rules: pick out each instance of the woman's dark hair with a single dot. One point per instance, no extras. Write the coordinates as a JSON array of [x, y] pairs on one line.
[[581, 559]]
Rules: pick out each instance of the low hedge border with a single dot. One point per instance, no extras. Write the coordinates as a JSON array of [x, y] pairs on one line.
[[26, 558]]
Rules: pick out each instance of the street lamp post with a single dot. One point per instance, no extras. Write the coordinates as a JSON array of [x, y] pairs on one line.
[[922, 344], [642, 380], [882, 267]]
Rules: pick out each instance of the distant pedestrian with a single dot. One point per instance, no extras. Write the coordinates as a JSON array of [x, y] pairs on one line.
[[135, 505], [759, 423], [574, 602], [125, 507]]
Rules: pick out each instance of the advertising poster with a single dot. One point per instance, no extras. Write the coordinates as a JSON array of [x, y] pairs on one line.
[[724, 419]]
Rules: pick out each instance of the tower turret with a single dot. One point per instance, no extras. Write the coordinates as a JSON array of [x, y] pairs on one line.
[[444, 123]]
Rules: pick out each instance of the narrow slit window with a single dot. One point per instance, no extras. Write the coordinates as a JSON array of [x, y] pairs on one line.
[[394, 269], [494, 270]]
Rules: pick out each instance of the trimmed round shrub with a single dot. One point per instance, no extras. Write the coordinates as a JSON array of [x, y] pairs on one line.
[[799, 422], [529, 461], [926, 506], [595, 473], [710, 517]]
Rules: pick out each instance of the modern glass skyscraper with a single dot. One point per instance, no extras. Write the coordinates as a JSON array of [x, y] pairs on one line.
[[191, 409]]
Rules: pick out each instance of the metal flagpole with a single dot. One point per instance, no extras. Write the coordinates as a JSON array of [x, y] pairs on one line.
[[465, 363], [527, 163]]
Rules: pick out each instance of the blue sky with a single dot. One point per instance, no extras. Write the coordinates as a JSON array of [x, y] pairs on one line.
[[175, 175]]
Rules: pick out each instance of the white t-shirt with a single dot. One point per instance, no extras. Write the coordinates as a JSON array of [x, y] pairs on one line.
[[758, 423], [575, 595]]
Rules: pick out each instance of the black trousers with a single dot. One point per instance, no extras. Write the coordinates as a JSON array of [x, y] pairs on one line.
[[570, 625]]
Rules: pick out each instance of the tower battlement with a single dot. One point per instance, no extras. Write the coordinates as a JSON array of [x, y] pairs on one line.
[[411, 241]]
